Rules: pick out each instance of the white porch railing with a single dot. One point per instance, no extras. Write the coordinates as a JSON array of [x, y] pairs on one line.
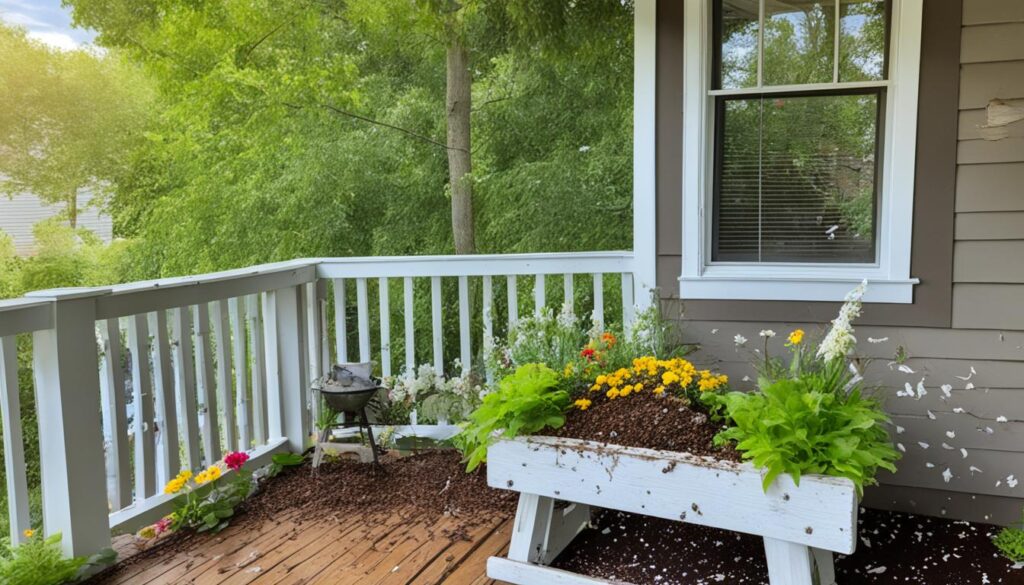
[[224, 361]]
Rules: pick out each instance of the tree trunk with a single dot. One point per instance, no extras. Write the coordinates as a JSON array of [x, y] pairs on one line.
[[458, 102], [73, 209]]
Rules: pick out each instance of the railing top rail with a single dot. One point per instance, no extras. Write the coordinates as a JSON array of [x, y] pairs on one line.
[[475, 265], [25, 315]]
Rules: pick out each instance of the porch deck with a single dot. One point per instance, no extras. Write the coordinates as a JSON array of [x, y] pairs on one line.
[[364, 549]]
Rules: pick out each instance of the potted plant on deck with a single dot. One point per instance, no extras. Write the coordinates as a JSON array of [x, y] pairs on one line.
[[787, 462]]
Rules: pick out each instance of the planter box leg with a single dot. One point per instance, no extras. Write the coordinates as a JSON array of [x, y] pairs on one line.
[[542, 530], [825, 566], [788, 563]]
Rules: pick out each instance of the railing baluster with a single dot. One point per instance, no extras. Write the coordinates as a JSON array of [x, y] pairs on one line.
[[219, 312], [312, 305], [385, 327], [569, 297], [14, 446], [340, 325], [287, 387], [363, 313], [488, 315], [185, 383], [207, 392], [628, 306], [410, 326], [142, 407], [598, 314], [115, 417], [257, 350], [168, 457], [236, 312], [538, 295], [435, 323], [465, 341], [513, 301]]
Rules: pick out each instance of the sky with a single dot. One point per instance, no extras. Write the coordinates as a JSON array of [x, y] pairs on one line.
[[46, 21]]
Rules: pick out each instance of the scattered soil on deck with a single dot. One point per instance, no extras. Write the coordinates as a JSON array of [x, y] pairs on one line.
[[645, 420], [893, 548], [427, 486]]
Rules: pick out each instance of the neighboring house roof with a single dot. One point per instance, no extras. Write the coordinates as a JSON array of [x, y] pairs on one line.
[[19, 213]]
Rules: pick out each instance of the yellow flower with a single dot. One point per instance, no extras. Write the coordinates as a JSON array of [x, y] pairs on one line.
[[583, 403], [638, 387], [659, 390], [600, 380], [570, 368], [595, 387], [796, 337], [185, 475], [147, 532], [175, 485], [669, 378], [212, 473], [29, 533], [612, 394]]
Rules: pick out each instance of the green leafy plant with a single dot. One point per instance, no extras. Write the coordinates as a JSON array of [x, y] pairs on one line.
[[282, 460], [40, 561], [794, 427], [203, 503], [1010, 542], [525, 402]]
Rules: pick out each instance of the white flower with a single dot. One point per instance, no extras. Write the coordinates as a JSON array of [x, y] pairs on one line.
[[767, 333], [840, 340], [739, 339], [585, 148]]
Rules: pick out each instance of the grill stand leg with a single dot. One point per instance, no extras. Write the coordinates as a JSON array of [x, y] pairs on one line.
[[369, 433]]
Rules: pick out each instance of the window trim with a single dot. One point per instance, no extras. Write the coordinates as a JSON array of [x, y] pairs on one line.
[[889, 277]]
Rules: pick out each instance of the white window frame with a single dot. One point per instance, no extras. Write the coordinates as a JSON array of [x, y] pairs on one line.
[[889, 279]]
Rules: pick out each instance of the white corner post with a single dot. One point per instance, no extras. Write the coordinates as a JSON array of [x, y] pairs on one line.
[[285, 352], [65, 361], [645, 251]]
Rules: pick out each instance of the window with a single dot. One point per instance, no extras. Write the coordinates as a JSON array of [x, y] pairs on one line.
[[800, 118]]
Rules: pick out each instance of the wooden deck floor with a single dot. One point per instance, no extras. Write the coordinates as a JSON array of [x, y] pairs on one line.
[[359, 550]]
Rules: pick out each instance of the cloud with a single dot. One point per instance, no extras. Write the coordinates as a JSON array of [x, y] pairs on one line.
[[22, 19], [55, 39]]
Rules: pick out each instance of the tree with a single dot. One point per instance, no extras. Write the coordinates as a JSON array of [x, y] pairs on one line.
[[66, 118]]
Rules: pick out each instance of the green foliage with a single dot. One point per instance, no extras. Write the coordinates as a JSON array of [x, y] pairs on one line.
[[525, 402], [65, 117], [794, 427], [1010, 542], [282, 460], [210, 506], [40, 561]]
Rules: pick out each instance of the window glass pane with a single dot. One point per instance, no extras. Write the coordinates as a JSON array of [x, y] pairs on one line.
[[737, 22], [799, 42], [796, 179], [862, 41]]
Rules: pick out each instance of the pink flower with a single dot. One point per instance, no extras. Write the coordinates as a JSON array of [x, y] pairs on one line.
[[236, 459], [162, 525]]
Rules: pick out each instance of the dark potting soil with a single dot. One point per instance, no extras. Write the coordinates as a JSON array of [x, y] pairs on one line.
[[424, 487], [893, 548], [645, 420]]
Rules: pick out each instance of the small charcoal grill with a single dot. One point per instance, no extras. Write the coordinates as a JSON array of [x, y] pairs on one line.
[[348, 389]]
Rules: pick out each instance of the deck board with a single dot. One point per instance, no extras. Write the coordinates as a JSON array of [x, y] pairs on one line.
[[389, 549]]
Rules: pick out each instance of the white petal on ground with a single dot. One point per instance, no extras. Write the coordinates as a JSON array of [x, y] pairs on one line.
[[947, 390], [931, 414], [899, 430], [1001, 419], [947, 475], [963, 452], [923, 444], [905, 369], [976, 470], [951, 434], [877, 339]]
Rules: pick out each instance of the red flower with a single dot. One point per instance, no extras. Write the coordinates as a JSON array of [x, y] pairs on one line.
[[236, 459], [587, 353], [162, 525]]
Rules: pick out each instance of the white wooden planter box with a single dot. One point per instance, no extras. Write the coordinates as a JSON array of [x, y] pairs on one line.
[[801, 525]]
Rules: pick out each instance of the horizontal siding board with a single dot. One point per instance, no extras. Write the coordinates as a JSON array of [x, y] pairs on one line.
[[984, 404], [974, 152], [973, 126], [989, 262], [913, 471], [968, 432], [991, 306], [990, 226], [1000, 510], [918, 342], [981, 82], [992, 42], [879, 373], [990, 11], [993, 187]]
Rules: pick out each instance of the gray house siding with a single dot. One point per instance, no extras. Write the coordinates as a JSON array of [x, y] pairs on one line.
[[20, 213], [968, 251]]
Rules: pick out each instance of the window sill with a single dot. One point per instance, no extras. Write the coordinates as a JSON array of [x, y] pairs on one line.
[[766, 288]]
